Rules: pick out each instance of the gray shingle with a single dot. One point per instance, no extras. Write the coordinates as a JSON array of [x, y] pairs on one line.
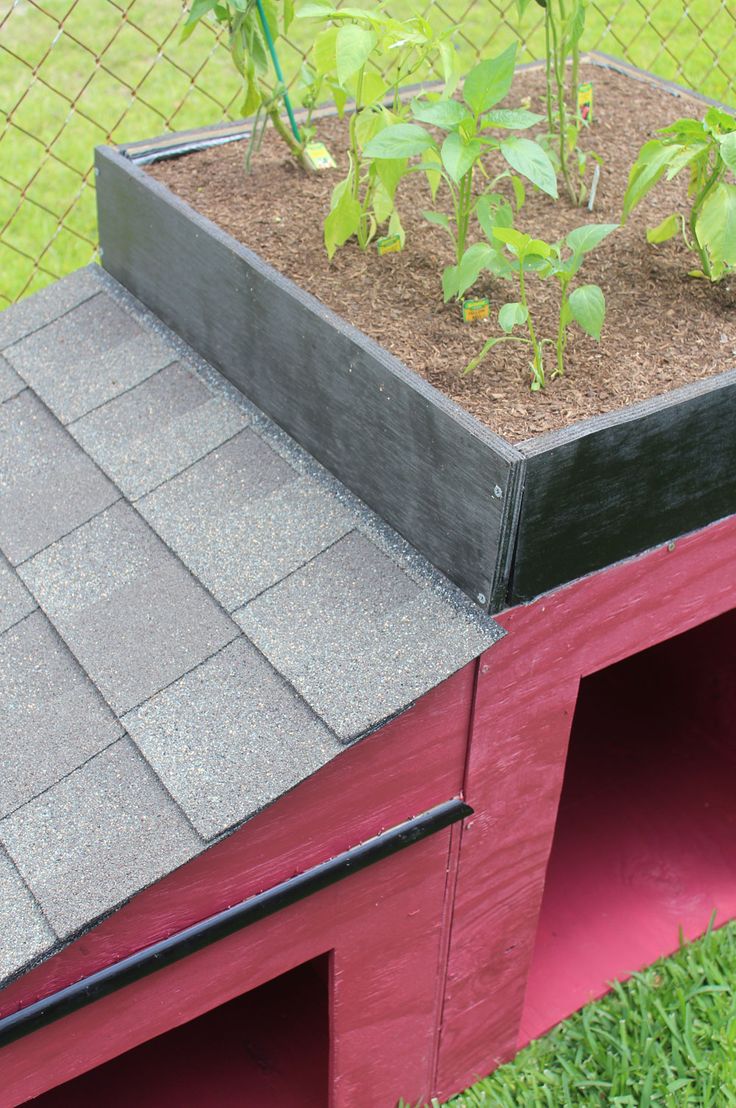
[[15, 600], [157, 429], [127, 608], [47, 484], [85, 334], [97, 837], [51, 717], [87, 382], [10, 383], [24, 933], [358, 638], [242, 518], [38, 310], [230, 737]]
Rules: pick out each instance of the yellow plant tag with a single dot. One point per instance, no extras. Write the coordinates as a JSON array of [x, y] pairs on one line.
[[319, 156], [585, 102], [476, 309], [389, 244]]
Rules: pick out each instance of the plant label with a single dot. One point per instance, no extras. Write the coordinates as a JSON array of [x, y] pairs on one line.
[[585, 102], [476, 309], [389, 244], [319, 156]]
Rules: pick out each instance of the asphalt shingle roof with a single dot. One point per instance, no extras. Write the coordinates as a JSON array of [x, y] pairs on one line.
[[194, 616]]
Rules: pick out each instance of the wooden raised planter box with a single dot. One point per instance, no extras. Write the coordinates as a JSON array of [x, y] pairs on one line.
[[505, 522]]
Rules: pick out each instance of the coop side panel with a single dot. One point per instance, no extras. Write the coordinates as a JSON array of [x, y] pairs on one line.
[[413, 456], [524, 708], [624, 483]]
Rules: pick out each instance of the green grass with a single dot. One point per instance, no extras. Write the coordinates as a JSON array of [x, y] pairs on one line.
[[666, 1037], [75, 73]]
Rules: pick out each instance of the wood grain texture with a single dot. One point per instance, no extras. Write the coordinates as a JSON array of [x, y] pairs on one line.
[[384, 928], [426, 466], [622, 483], [406, 768], [525, 702]]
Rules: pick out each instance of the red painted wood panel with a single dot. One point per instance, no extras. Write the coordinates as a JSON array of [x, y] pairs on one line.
[[407, 767], [527, 689], [385, 927]]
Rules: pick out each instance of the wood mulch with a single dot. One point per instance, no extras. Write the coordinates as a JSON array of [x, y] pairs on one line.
[[663, 328]]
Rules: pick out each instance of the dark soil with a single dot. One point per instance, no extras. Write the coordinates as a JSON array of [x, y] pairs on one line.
[[663, 328]]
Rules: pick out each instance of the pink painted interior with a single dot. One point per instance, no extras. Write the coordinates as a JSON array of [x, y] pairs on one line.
[[645, 839], [272, 1042]]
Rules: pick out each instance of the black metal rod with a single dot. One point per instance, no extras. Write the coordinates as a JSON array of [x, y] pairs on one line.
[[199, 935]]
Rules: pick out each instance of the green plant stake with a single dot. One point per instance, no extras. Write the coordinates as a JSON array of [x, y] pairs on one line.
[[707, 149], [341, 62], [457, 159], [564, 24], [584, 305]]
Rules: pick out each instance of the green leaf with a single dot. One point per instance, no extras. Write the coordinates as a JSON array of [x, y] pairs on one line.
[[654, 158], [253, 97], [728, 150], [434, 176], [390, 171], [685, 127], [584, 239], [489, 81], [715, 227], [588, 307], [395, 226], [352, 49], [511, 315], [401, 140], [199, 9], [519, 191], [315, 11], [529, 159], [665, 230], [493, 210], [718, 122], [324, 51], [344, 218], [515, 119], [457, 279], [439, 219], [458, 156], [439, 113]]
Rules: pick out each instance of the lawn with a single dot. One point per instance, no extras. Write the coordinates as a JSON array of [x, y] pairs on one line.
[[666, 1037], [80, 72]]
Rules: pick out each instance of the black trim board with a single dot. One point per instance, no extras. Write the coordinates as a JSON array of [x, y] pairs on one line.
[[434, 473], [227, 922], [619, 484]]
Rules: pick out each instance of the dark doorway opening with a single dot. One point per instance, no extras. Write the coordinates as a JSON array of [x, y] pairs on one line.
[[266, 1047], [645, 839]]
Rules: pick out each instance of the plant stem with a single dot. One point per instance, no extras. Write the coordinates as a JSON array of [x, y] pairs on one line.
[[559, 70], [548, 65], [284, 133], [356, 163], [537, 362], [714, 178], [465, 193]]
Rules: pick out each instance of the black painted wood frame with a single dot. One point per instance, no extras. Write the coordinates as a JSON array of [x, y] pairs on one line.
[[505, 523]]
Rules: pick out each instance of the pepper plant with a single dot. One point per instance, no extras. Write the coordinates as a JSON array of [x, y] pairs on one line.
[[457, 158], [253, 27], [707, 149], [585, 304], [365, 56], [564, 24]]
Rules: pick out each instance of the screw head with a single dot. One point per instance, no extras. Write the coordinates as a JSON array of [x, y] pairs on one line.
[[498, 492], [481, 598]]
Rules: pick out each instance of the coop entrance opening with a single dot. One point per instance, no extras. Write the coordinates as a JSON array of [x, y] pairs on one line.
[[645, 839], [272, 1043]]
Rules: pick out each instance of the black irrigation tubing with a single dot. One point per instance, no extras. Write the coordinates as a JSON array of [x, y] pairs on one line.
[[208, 931]]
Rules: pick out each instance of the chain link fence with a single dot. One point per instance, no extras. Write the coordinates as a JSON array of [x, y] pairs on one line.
[[76, 73]]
